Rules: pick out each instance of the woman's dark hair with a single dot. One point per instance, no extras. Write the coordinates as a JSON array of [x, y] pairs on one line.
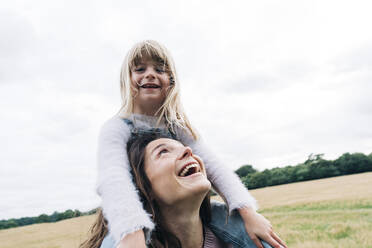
[[161, 237]]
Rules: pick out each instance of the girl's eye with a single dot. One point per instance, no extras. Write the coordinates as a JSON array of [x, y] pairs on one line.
[[139, 69], [160, 70]]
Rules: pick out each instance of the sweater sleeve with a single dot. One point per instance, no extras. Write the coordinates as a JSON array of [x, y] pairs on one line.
[[223, 179], [120, 199]]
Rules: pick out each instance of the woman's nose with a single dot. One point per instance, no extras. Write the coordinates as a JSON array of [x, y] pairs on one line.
[[186, 152]]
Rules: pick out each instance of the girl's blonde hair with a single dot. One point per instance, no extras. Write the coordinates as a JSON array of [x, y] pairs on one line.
[[171, 110]]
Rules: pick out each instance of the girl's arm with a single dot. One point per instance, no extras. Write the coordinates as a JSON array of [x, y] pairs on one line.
[[120, 202]]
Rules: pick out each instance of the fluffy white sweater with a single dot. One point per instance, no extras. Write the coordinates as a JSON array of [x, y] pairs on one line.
[[120, 200]]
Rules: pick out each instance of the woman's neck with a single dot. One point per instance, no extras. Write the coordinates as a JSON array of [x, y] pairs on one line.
[[184, 221]]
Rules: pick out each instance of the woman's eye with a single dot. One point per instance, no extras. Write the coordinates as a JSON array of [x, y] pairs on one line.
[[163, 151]]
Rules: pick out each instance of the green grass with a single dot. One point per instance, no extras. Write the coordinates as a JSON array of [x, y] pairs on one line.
[[324, 224], [324, 206]]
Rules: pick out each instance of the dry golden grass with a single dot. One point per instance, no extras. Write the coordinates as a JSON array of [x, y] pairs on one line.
[[333, 212], [63, 234], [344, 188]]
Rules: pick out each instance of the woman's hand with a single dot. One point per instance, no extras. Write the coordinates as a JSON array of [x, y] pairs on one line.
[[133, 240], [258, 227]]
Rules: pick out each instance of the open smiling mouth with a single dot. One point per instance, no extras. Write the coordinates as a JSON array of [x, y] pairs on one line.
[[189, 169], [150, 86]]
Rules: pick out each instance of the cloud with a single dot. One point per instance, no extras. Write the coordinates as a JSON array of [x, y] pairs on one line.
[[264, 83], [355, 59], [280, 76], [19, 48]]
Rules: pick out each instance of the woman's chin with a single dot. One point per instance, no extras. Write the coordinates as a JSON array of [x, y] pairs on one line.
[[195, 183]]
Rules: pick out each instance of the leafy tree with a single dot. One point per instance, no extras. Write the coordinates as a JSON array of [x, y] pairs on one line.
[[301, 173], [42, 218], [279, 176], [8, 224], [245, 170], [77, 213], [55, 217], [255, 180], [25, 221], [67, 214], [314, 158], [353, 163]]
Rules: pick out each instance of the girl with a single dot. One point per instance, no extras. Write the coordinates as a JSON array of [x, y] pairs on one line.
[[150, 95]]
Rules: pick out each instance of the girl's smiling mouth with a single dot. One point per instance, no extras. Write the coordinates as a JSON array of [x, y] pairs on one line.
[[150, 85]]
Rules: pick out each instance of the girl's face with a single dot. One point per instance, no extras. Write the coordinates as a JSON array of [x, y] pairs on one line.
[[152, 81], [175, 173]]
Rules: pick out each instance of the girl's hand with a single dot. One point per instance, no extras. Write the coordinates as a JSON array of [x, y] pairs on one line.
[[133, 240], [258, 227]]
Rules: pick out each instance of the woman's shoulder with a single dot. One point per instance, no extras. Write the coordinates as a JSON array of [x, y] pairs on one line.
[[222, 223], [218, 206], [220, 214], [230, 228]]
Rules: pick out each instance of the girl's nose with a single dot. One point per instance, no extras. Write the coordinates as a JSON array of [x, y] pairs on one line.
[[186, 152], [150, 73]]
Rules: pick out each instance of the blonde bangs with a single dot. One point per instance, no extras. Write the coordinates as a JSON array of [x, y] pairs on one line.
[[148, 50]]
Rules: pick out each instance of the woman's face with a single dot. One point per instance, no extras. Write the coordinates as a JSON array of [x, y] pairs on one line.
[[174, 172], [151, 80]]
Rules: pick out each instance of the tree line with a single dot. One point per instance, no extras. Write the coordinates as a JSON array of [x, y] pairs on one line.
[[315, 167], [43, 218]]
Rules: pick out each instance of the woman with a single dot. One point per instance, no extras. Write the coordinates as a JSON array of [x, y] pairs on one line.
[[174, 188]]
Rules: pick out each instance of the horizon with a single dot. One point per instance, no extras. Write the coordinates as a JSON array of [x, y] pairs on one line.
[[86, 211]]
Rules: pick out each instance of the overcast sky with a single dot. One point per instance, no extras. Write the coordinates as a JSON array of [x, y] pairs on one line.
[[265, 83]]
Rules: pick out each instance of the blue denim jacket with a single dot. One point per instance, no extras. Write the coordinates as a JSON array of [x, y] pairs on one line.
[[231, 232]]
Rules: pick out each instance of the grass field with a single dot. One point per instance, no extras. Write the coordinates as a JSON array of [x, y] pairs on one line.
[[333, 212]]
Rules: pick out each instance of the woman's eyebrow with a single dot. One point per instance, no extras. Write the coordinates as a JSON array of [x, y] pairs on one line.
[[160, 145]]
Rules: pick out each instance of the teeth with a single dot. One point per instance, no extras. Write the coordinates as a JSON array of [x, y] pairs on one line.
[[150, 86], [184, 171]]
